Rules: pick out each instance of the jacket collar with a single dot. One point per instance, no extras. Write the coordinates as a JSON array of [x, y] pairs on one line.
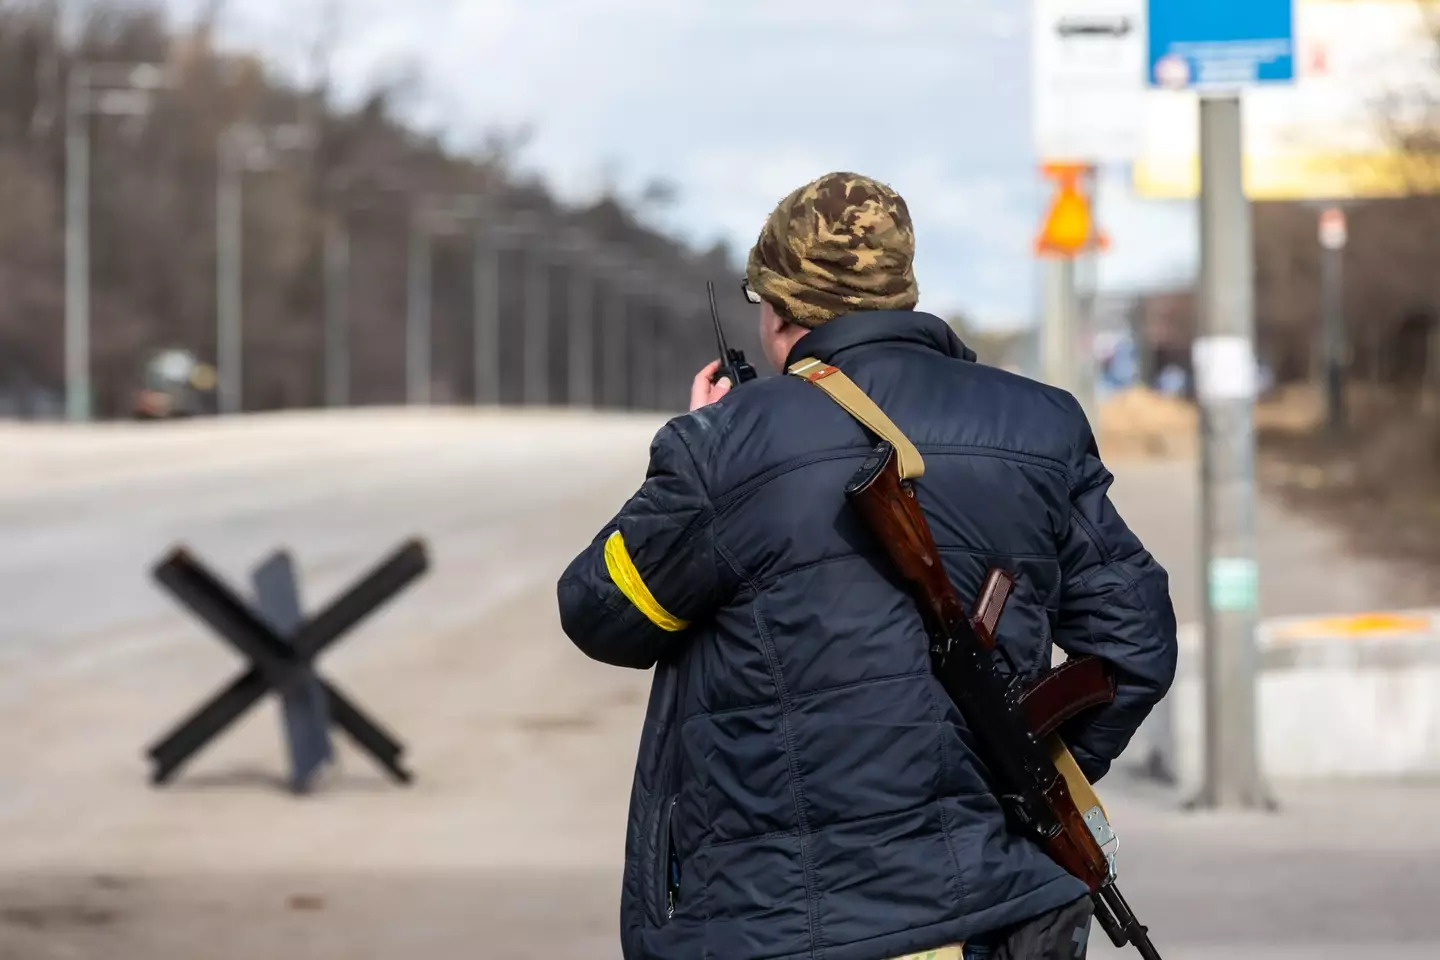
[[878, 326]]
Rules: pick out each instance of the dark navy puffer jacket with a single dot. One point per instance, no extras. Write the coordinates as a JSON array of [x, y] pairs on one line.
[[804, 787]]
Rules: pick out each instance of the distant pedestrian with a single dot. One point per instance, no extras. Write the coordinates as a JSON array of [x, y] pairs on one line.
[[1172, 381]]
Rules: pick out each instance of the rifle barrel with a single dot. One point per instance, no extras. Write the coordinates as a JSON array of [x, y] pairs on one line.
[[1130, 929]]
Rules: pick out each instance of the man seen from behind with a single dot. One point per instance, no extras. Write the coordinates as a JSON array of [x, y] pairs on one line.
[[804, 786]]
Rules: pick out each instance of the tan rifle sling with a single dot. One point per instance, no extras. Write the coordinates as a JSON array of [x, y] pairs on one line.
[[843, 391]]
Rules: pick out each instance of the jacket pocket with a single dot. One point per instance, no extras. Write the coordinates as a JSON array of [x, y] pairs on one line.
[[665, 880]]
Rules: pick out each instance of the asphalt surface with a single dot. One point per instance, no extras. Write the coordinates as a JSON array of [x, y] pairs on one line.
[[508, 843]]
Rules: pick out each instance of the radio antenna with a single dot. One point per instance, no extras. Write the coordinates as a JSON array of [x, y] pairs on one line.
[[715, 316]]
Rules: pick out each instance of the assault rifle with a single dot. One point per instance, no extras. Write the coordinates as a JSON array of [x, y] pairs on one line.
[[1015, 726]]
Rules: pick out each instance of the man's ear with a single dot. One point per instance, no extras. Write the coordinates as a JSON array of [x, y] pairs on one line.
[[777, 320]]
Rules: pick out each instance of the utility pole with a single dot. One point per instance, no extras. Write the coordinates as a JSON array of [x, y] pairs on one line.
[[92, 89], [1332, 299], [339, 191], [1057, 346], [614, 347], [672, 362], [640, 339], [1087, 298], [229, 249], [65, 28], [1225, 372], [580, 359], [417, 322], [485, 271], [337, 311], [77, 244], [1068, 232], [661, 347], [537, 325], [445, 215], [240, 147], [654, 331], [1219, 50], [70, 28]]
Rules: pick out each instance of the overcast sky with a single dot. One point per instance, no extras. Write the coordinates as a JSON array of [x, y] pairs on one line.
[[740, 101]]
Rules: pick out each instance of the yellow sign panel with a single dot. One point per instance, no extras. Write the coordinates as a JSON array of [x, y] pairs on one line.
[[1362, 67], [1359, 626]]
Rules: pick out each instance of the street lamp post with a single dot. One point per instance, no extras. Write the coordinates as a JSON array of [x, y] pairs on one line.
[[488, 241], [241, 148], [229, 337], [672, 360], [537, 325], [640, 336], [77, 246], [580, 322], [613, 326], [445, 215], [110, 90], [337, 310], [417, 324], [339, 189]]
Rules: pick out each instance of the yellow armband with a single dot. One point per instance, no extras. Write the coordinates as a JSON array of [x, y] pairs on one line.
[[627, 578]]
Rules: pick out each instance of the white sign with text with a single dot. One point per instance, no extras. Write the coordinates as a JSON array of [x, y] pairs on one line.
[[1088, 62]]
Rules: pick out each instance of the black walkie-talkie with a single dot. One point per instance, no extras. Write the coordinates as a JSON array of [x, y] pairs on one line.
[[732, 362]]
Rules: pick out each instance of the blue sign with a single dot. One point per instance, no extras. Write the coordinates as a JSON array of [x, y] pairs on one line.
[[1221, 44]]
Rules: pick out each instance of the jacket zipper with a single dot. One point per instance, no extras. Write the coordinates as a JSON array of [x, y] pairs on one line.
[[669, 865]]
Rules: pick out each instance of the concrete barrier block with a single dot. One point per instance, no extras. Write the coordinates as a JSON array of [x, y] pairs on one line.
[[1337, 697]]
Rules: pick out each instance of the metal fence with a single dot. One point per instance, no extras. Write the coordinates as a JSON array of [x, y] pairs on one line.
[[477, 305], [555, 317]]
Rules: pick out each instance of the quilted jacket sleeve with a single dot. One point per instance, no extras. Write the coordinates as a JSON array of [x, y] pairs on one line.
[[1115, 604], [653, 570]]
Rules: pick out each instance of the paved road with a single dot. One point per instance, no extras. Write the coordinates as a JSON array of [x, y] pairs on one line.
[[508, 844]]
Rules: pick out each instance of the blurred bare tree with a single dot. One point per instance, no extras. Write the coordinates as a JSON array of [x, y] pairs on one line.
[[153, 212], [1381, 476], [1391, 286]]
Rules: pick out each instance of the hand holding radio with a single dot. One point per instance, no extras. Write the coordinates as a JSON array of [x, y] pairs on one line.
[[719, 376], [709, 385]]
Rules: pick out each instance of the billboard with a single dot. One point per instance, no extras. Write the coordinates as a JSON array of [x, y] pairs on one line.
[[1363, 68]]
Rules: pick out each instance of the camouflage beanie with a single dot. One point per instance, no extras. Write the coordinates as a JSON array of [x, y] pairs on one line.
[[840, 244]]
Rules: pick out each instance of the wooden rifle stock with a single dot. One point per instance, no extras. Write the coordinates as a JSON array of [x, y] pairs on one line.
[[1015, 727], [991, 603], [1059, 694]]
